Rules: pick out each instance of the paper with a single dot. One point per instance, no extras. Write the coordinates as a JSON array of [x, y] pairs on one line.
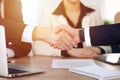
[[97, 72], [71, 63]]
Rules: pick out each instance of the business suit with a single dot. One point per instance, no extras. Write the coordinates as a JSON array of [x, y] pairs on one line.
[[14, 28], [105, 35]]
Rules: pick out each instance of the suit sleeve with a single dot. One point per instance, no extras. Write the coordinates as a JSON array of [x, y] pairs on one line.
[[105, 35], [14, 32], [14, 27], [13, 10]]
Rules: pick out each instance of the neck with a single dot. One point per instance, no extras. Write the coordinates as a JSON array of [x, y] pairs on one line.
[[71, 6]]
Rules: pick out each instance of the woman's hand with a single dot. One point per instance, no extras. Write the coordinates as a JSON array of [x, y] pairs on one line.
[[88, 52]]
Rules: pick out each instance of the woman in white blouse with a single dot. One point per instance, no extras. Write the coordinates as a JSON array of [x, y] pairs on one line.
[[77, 15]]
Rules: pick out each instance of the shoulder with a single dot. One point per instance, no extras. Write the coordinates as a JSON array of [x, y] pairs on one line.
[[92, 18], [96, 11]]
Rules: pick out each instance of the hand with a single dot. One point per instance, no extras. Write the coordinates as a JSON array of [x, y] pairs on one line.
[[74, 33], [64, 41], [88, 52], [61, 40]]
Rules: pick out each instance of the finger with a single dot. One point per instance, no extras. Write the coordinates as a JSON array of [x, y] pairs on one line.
[[71, 40], [67, 43], [60, 28], [61, 47], [57, 30], [64, 41]]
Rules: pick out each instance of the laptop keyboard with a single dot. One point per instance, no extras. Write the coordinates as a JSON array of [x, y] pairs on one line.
[[11, 71]]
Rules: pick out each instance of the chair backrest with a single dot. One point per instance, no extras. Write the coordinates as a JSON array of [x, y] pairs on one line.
[[117, 18]]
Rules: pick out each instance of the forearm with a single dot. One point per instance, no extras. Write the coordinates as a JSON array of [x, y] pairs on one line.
[[41, 33], [105, 35], [43, 48], [101, 35]]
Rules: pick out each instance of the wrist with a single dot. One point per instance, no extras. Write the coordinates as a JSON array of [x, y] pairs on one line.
[[39, 33], [64, 53], [102, 51]]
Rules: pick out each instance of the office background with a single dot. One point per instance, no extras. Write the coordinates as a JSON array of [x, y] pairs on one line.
[[33, 9]]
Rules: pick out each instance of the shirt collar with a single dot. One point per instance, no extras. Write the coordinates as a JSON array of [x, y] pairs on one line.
[[84, 10], [60, 10]]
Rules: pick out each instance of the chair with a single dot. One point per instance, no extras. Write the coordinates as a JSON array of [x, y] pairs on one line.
[[117, 17]]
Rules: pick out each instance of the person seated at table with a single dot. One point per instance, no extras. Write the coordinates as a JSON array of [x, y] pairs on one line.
[[77, 15], [116, 48]]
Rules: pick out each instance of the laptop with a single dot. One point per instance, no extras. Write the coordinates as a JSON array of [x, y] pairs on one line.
[[10, 70], [110, 58]]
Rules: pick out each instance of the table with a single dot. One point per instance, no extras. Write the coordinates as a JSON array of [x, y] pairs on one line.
[[44, 62]]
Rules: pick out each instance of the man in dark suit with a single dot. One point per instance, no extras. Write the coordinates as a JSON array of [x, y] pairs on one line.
[[100, 35], [14, 27]]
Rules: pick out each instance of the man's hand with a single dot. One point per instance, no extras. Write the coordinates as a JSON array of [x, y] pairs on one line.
[[74, 33]]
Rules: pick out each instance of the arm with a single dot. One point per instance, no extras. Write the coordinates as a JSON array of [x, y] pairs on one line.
[[87, 52], [14, 32], [105, 35], [100, 35], [62, 39], [47, 35]]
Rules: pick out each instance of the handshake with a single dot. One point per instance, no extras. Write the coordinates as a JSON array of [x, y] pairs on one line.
[[67, 37], [64, 37]]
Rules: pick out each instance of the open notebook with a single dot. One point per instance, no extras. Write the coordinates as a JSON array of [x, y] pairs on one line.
[[96, 71]]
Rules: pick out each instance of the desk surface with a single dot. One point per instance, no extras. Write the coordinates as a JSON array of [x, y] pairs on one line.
[[51, 74]]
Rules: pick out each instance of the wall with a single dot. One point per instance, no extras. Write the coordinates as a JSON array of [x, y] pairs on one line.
[[111, 8], [32, 9]]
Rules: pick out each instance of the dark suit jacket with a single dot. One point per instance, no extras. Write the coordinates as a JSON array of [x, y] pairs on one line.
[[14, 28], [13, 10], [105, 35]]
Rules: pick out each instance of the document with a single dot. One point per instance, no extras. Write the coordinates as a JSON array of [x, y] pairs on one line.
[[96, 71], [71, 63]]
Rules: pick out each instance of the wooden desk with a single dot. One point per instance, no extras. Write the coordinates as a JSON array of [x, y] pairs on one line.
[[51, 74]]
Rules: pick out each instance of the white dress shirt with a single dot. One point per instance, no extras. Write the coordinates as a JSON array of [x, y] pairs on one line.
[[87, 36], [27, 33]]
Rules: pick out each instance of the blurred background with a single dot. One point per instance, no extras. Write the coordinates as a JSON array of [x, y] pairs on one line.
[[33, 9]]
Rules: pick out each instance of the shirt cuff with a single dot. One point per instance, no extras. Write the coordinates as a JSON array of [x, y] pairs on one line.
[[27, 33], [87, 36], [10, 53]]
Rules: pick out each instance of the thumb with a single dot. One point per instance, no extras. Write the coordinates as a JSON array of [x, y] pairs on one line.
[[57, 30]]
